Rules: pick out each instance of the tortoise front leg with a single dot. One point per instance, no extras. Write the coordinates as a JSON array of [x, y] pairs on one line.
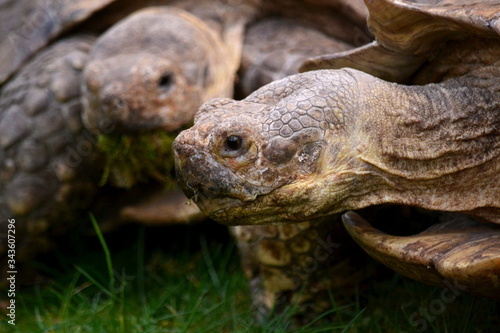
[[298, 264]]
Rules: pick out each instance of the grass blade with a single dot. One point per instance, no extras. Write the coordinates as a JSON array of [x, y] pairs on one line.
[[107, 254], [94, 281]]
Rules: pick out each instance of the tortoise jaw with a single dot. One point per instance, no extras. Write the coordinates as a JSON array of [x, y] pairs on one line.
[[459, 251]]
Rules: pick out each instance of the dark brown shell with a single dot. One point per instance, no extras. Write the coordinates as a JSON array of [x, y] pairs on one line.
[[26, 26], [413, 28], [47, 158]]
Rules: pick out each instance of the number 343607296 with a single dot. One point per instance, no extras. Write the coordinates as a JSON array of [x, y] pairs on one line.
[[11, 241]]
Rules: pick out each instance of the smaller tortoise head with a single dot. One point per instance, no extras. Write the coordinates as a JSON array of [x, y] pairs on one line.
[[138, 92], [144, 75]]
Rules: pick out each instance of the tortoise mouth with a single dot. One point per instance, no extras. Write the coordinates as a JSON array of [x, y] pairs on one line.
[[241, 213], [455, 250]]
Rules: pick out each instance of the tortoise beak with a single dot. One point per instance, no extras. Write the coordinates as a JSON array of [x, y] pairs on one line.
[[460, 252]]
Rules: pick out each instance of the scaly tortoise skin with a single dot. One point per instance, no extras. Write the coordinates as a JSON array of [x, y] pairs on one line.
[[329, 141]]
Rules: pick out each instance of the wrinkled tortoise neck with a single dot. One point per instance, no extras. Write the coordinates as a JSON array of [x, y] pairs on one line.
[[434, 146]]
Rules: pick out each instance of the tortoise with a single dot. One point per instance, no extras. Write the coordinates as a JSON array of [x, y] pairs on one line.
[[50, 158], [414, 122], [61, 127], [50, 163]]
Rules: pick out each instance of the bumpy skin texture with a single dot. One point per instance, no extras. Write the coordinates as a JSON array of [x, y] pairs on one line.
[[422, 44], [208, 66], [293, 264], [47, 158]]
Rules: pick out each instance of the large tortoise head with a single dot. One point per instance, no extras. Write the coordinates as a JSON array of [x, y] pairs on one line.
[[263, 159]]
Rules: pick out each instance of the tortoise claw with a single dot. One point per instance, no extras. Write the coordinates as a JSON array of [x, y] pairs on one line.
[[458, 250]]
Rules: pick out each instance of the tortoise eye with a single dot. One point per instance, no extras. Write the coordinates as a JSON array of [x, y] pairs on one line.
[[237, 149], [234, 146], [233, 143]]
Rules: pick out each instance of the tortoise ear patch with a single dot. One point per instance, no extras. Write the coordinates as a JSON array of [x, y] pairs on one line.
[[280, 150]]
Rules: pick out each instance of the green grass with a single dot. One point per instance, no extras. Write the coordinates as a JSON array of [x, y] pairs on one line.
[[188, 279], [133, 159]]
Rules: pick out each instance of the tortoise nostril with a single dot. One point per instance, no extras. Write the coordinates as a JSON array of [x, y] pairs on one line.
[[166, 80], [118, 103], [113, 103]]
